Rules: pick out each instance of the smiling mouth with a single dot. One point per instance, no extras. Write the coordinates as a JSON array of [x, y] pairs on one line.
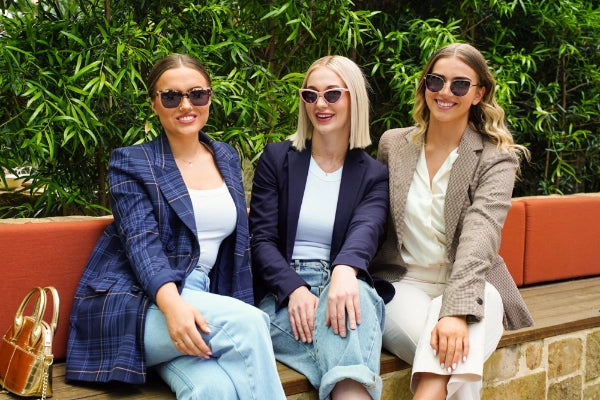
[[444, 104]]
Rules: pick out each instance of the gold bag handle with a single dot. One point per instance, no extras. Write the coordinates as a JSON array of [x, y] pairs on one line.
[[38, 313], [56, 305]]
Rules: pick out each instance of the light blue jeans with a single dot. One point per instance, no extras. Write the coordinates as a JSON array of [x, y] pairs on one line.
[[242, 365], [331, 358]]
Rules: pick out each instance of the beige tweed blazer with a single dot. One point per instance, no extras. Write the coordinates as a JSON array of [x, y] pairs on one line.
[[477, 201]]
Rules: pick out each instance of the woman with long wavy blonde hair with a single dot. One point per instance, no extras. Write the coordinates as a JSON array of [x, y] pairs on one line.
[[451, 182]]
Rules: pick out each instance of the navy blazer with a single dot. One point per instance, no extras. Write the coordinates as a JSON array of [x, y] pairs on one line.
[[277, 193], [152, 241]]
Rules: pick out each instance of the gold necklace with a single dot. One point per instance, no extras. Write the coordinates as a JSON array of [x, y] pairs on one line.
[[189, 163]]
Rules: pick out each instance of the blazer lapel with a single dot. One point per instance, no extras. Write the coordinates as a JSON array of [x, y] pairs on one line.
[[352, 177], [401, 154], [229, 168], [458, 184], [297, 173], [170, 183]]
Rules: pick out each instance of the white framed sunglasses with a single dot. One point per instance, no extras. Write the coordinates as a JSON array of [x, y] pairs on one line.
[[331, 96]]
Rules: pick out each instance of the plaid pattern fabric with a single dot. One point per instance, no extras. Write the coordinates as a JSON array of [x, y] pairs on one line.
[[152, 241], [477, 201]]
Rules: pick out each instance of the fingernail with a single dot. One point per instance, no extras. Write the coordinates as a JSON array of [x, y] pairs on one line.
[[464, 358], [443, 366], [434, 352], [449, 369], [454, 366]]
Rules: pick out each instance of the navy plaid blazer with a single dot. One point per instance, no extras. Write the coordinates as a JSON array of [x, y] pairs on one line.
[[152, 241]]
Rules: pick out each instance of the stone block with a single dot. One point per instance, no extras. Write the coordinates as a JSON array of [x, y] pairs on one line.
[[592, 360], [533, 354], [312, 395], [525, 388], [592, 392], [564, 357], [502, 364], [568, 389], [396, 385]]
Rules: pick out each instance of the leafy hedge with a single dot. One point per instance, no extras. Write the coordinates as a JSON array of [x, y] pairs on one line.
[[72, 78]]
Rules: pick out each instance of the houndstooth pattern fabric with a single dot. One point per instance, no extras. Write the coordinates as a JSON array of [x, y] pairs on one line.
[[477, 201]]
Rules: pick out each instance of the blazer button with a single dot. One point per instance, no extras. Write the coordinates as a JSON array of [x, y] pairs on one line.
[[479, 301]]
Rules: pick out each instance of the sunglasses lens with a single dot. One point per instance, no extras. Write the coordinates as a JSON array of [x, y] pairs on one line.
[[434, 83], [332, 96], [309, 96], [170, 99], [199, 97], [460, 88]]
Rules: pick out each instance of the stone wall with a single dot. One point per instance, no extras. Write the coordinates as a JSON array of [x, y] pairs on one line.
[[565, 367]]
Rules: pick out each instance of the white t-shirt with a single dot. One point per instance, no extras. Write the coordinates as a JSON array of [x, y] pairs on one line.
[[317, 214]]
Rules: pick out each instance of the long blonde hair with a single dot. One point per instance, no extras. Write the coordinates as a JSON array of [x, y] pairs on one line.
[[487, 117], [356, 83]]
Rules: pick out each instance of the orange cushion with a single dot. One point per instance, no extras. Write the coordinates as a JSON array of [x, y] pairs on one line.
[[561, 238], [45, 254], [512, 246]]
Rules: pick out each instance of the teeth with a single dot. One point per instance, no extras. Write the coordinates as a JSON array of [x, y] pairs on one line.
[[187, 118], [445, 104], [323, 115]]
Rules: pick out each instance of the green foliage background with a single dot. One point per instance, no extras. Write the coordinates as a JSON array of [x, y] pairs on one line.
[[72, 78]]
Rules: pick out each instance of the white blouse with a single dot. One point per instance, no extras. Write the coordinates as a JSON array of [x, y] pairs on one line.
[[424, 240]]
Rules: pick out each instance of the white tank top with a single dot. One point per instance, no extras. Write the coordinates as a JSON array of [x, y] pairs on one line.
[[215, 215]]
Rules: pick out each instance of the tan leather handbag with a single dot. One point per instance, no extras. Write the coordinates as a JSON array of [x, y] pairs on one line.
[[26, 348]]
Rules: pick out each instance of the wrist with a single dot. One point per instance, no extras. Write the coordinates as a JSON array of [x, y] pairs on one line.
[[346, 268]]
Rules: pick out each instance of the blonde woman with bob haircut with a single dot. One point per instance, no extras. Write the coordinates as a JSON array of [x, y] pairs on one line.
[[318, 208], [359, 105], [451, 182]]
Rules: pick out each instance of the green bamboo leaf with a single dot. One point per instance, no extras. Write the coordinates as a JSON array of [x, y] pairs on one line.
[[276, 12], [87, 68], [73, 37], [38, 110]]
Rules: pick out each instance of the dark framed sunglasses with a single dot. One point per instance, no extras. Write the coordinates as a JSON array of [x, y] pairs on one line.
[[458, 87], [331, 96], [172, 98]]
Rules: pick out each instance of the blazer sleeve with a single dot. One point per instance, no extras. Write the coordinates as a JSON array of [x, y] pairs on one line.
[[479, 238], [269, 263], [130, 179]]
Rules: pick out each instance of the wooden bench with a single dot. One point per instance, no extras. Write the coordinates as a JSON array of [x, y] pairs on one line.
[[557, 308], [545, 239]]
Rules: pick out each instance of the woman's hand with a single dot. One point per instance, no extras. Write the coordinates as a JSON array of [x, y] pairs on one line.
[[450, 339], [343, 299], [302, 305], [183, 321]]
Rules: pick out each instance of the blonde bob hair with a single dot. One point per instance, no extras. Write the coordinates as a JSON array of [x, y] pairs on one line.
[[487, 117], [357, 85]]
